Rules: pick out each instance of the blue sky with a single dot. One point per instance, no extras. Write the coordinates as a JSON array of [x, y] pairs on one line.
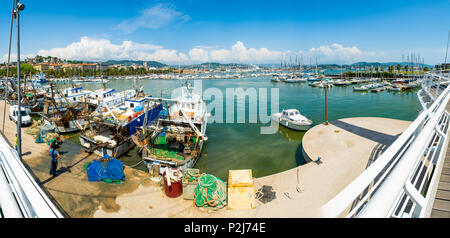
[[192, 31]]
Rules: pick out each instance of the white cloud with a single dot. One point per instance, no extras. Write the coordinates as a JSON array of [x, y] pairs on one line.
[[154, 17], [93, 49], [337, 53], [102, 49], [240, 53], [13, 58], [198, 55]]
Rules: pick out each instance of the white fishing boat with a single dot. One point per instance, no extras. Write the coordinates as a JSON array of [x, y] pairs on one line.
[[292, 119], [189, 107], [73, 94], [108, 99], [177, 140]]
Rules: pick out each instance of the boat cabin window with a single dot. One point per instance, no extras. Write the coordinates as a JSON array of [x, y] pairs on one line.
[[291, 114], [132, 105]]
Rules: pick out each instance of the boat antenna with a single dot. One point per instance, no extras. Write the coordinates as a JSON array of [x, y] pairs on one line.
[[7, 68]]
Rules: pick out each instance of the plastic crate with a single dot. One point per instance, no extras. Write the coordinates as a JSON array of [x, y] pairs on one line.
[[188, 187]]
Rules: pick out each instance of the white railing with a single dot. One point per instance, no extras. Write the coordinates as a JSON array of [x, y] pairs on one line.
[[20, 195], [403, 181]]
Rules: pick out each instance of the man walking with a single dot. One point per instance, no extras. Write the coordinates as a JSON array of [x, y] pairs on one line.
[[54, 155]]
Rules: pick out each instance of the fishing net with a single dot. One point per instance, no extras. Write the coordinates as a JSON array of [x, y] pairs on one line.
[[35, 128], [191, 175], [107, 169], [210, 192], [163, 150], [161, 140]]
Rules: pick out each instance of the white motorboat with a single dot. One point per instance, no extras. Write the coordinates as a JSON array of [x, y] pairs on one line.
[[323, 84], [292, 119], [361, 89]]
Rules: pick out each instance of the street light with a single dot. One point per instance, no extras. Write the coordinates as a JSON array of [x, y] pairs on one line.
[[19, 7]]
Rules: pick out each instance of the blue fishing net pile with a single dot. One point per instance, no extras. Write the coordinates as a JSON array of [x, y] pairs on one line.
[[107, 169]]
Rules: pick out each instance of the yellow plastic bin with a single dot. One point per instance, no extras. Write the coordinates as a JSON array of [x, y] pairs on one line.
[[241, 193]]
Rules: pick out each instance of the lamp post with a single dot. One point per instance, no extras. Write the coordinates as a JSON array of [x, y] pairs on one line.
[[19, 7]]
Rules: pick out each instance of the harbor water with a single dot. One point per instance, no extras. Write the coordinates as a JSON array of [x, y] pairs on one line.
[[242, 146]]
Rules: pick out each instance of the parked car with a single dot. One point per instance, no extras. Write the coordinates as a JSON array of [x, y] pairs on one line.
[[14, 112]]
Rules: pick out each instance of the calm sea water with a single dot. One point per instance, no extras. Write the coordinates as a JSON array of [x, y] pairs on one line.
[[241, 146]]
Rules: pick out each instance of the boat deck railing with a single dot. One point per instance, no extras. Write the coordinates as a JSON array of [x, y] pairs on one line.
[[403, 181], [20, 195]]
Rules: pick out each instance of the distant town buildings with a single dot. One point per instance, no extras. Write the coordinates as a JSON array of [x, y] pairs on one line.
[[443, 66]]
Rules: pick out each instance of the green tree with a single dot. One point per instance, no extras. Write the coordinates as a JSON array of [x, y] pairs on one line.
[[390, 68]]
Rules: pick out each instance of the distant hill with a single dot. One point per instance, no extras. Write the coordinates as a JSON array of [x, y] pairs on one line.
[[213, 65], [137, 62], [374, 64]]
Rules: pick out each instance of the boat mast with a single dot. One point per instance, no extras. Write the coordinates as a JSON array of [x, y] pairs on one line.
[[317, 72]]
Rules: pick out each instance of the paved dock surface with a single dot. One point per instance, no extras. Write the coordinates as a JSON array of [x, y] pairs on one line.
[[441, 206], [347, 147]]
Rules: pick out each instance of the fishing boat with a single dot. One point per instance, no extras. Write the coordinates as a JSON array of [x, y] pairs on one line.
[[115, 129], [108, 99], [40, 77], [292, 119], [177, 140], [68, 118], [71, 94]]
